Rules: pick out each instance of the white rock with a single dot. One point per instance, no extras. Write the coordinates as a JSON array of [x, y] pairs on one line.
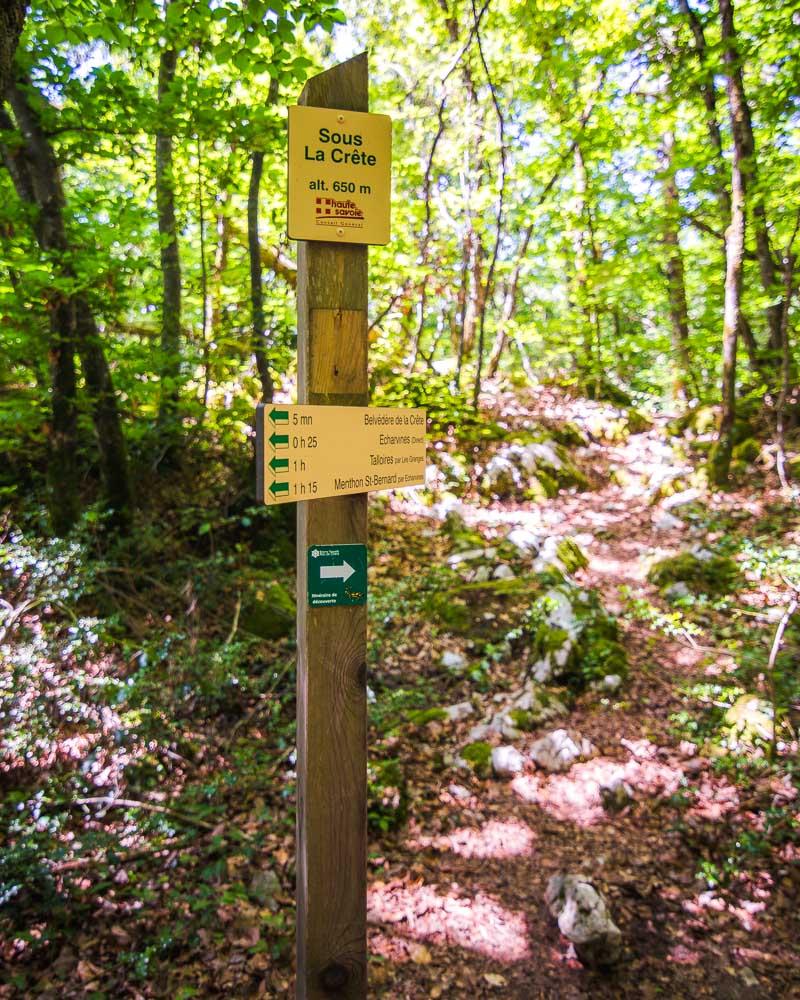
[[455, 713], [616, 794], [524, 540], [458, 791], [667, 522], [584, 919], [680, 499], [469, 555], [507, 762], [371, 699], [539, 453], [611, 683], [503, 572], [481, 574], [453, 660], [559, 750], [675, 591]]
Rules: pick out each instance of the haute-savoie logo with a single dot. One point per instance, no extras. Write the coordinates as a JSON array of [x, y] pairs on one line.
[[339, 212]]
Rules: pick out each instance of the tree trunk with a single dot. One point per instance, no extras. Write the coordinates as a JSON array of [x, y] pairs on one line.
[[256, 293], [509, 306], [676, 284], [12, 21], [580, 242], [170, 360], [734, 254], [35, 174]]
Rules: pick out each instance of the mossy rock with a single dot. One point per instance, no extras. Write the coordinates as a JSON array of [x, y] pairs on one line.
[[568, 434], [522, 719], [699, 419], [747, 450], [421, 717], [603, 388], [638, 423], [268, 612], [541, 487], [706, 573], [749, 720], [530, 468], [573, 639], [448, 610], [478, 756], [571, 555]]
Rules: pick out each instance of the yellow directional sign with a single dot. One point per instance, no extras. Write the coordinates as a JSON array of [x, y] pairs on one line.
[[310, 452], [340, 166]]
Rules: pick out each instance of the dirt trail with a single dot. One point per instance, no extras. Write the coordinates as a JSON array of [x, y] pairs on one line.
[[456, 898]]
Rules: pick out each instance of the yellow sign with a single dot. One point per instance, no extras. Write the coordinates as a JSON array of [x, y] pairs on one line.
[[340, 175], [310, 452]]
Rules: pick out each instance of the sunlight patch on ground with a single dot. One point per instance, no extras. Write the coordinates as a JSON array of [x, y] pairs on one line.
[[479, 924], [496, 839], [576, 797]]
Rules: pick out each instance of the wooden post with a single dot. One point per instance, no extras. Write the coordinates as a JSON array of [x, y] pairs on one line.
[[332, 641]]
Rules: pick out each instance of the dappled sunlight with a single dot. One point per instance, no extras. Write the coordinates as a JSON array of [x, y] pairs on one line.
[[577, 796], [497, 839], [714, 799], [478, 924], [681, 955]]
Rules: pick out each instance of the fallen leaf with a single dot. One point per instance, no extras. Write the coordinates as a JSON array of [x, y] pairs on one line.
[[420, 954], [494, 979]]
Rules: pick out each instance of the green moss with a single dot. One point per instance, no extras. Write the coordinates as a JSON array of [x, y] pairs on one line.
[[714, 575], [268, 612], [747, 451], [522, 719], [571, 555], [541, 486], [638, 423], [387, 795], [448, 610], [700, 420], [479, 757], [423, 716], [568, 434], [593, 638]]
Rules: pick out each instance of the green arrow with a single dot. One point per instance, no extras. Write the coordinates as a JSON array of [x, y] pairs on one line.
[[279, 464], [279, 440], [279, 416], [276, 489]]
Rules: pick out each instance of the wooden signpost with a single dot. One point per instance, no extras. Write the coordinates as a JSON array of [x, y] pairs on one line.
[[333, 448]]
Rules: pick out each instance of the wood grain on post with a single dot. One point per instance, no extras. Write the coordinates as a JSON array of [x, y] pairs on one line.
[[332, 641]]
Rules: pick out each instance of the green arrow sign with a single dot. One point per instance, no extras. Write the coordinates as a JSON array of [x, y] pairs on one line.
[[337, 575], [279, 416], [279, 464], [279, 489], [279, 440]]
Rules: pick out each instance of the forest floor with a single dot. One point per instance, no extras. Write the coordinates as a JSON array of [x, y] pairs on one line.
[[701, 868]]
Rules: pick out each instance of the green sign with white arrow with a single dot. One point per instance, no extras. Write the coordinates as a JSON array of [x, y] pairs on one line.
[[337, 575]]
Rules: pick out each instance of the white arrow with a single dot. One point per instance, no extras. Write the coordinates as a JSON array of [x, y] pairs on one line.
[[343, 572]]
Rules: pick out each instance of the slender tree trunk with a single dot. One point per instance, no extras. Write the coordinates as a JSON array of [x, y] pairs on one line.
[[256, 293], [35, 174], [170, 360], [709, 93], [580, 241], [738, 98], [509, 306], [676, 284], [734, 254], [62, 435]]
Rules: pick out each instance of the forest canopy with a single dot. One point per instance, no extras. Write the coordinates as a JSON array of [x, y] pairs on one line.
[[580, 681]]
